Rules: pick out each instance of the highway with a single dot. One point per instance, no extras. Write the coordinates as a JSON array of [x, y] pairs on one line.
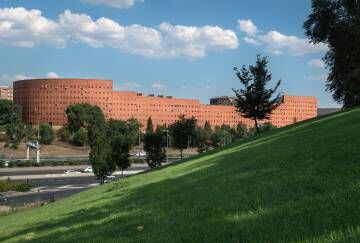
[[52, 182]]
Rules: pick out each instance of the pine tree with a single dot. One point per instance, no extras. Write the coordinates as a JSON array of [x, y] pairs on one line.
[[149, 126], [255, 100]]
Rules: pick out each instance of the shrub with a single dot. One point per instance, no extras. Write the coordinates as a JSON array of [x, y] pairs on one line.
[[64, 134], [2, 163], [8, 185], [46, 134], [11, 164], [80, 137], [22, 187]]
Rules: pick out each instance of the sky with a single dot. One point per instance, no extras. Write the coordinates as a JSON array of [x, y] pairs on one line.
[[183, 48]]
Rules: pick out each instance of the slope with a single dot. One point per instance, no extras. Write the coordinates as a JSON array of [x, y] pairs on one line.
[[296, 184]]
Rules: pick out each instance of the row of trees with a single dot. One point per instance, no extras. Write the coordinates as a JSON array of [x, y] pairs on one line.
[[185, 133], [110, 141]]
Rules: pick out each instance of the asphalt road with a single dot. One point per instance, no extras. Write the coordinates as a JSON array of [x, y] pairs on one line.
[[49, 170], [47, 187]]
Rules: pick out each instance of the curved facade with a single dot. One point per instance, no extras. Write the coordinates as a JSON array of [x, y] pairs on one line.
[[45, 101]]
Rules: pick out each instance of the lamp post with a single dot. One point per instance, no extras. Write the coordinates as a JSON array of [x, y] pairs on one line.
[[139, 142], [167, 144]]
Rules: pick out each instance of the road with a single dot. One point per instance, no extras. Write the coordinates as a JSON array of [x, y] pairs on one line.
[[48, 183], [48, 170]]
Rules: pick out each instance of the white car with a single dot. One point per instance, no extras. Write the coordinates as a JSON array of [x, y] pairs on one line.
[[71, 172], [88, 170], [141, 154]]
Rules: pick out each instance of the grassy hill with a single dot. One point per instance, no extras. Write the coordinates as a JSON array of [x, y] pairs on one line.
[[296, 184]]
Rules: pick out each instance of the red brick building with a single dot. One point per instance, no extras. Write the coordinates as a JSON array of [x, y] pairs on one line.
[[45, 101]]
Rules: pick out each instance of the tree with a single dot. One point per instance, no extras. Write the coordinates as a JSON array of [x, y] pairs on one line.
[[9, 112], [133, 130], [337, 24], [46, 134], [29, 133], [64, 134], [241, 130], [153, 146], [181, 132], [100, 157], [255, 100], [11, 119], [87, 116], [77, 116], [216, 137], [207, 126], [149, 126], [14, 133], [80, 137], [203, 137], [118, 133], [120, 148]]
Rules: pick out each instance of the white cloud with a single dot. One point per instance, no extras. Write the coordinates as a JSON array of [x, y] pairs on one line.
[[28, 28], [158, 86], [316, 63], [194, 41], [278, 43], [113, 3], [293, 45], [252, 41], [247, 26], [52, 75]]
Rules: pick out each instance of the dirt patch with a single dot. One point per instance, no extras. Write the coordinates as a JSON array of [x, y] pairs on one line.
[[56, 149]]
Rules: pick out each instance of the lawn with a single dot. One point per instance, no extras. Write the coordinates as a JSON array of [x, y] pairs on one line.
[[296, 184]]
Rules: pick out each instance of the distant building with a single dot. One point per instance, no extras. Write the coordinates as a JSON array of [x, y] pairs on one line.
[[6, 93], [222, 100], [45, 101]]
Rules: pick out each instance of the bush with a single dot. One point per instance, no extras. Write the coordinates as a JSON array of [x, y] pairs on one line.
[[80, 137], [21, 187], [11, 164], [8, 185], [64, 134], [2, 163], [46, 134]]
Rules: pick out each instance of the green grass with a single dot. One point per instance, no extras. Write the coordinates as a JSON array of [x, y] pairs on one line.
[[296, 184]]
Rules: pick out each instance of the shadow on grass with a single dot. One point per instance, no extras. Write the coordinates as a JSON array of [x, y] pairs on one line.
[[285, 186]]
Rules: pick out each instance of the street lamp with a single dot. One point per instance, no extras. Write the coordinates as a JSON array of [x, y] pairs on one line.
[[167, 144]]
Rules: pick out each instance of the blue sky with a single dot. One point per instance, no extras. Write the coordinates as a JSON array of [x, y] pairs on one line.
[[174, 47]]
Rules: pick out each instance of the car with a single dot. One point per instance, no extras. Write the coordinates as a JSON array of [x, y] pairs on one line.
[[88, 170], [140, 154], [71, 172], [3, 198]]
